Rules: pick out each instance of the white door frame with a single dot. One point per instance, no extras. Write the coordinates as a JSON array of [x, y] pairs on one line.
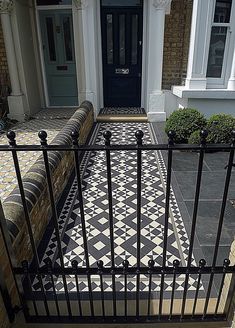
[[41, 55], [144, 56]]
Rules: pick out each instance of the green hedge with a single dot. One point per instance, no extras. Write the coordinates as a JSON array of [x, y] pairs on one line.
[[187, 124], [184, 122], [219, 128]]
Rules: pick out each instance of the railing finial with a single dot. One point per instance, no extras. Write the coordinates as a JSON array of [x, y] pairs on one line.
[[139, 137], [43, 137], [226, 263], [176, 264], [11, 136], [203, 135], [151, 264], [74, 264], [202, 263], [125, 264], [107, 136], [100, 265], [171, 137], [25, 266], [233, 137], [75, 137], [48, 265]]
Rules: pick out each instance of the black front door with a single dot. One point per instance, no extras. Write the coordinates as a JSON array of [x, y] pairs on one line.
[[122, 31]]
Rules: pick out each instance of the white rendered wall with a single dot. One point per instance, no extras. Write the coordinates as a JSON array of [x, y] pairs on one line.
[[213, 106], [24, 46]]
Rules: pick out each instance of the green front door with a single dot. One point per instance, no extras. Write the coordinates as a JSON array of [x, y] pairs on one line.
[[59, 57]]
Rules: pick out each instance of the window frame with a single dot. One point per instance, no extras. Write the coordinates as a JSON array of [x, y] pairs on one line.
[[215, 82]]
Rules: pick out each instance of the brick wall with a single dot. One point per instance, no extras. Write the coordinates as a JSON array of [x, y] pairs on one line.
[[4, 77], [176, 45]]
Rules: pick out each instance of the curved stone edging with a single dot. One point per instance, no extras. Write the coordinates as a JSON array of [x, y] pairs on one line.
[[61, 164]]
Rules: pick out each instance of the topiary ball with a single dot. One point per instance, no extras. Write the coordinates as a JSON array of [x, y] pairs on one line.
[[220, 127], [184, 122]]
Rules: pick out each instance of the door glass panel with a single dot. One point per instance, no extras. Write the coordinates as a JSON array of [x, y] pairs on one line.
[[121, 3], [53, 2], [68, 39], [216, 53], [122, 40], [222, 11], [51, 38], [134, 51], [110, 39]]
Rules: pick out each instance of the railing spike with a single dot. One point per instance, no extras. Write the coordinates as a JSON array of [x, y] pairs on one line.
[[139, 137], [100, 264], [226, 263], [43, 137], [125, 264], [203, 135], [75, 137], [233, 137], [171, 136], [202, 263], [176, 264], [11, 136], [107, 136], [151, 264]]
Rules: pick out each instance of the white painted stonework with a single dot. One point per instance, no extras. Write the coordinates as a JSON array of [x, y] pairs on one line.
[[16, 101], [155, 95], [80, 4], [6, 6], [199, 92], [231, 82]]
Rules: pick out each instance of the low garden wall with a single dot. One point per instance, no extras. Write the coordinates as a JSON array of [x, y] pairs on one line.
[[37, 196]]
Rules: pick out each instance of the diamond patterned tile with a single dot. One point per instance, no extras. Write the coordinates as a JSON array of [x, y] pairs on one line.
[[124, 188]]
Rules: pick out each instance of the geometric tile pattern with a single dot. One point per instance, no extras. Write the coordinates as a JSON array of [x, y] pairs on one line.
[[26, 134], [174, 209], [122, 110], [123, 165], [55, 113]]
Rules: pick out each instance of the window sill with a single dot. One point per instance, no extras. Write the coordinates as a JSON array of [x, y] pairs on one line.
[[183, 92]]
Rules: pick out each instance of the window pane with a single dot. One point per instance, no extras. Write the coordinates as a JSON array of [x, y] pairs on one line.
[[216, 53], [68, 39], [134, 39], [122, 41], [110, 39], [222, 11], [53, 2], [50, 38], [122, 3]]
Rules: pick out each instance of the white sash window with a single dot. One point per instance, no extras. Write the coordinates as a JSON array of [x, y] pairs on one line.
[[220, 44]]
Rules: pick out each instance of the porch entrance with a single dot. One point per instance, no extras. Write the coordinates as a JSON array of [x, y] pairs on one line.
[[122, 34], [59, 57]]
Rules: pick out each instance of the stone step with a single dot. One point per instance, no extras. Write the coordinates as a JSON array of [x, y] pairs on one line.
[[122, 118]]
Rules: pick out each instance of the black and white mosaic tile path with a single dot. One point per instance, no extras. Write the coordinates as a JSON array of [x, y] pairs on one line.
[[124, 184], [122, 111]]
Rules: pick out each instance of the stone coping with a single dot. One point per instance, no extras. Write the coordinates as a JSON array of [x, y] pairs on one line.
[[35, 179]]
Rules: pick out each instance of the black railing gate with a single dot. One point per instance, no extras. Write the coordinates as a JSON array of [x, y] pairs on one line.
[[124, 306]]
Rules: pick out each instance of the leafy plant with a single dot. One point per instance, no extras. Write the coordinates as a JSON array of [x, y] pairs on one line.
[[219, 127], [184, 122], [195, 138]]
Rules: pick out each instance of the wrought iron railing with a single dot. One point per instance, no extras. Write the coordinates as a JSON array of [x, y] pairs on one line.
[[123, 306]]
